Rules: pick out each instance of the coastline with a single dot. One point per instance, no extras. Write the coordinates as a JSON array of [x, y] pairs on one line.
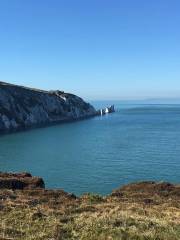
[[23, 108]]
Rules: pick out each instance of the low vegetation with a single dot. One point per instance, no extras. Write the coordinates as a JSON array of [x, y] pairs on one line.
[[142, 211]]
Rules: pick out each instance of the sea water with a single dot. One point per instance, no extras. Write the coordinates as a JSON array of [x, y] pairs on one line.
[[136, 143]]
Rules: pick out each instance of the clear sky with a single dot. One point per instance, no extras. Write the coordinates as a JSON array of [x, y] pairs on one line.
[[98, 49]]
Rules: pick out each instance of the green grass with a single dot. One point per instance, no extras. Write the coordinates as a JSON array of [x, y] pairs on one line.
[[53, 215], [106, 221]]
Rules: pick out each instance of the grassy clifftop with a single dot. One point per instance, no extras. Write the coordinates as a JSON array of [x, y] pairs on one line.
[[139, 211]]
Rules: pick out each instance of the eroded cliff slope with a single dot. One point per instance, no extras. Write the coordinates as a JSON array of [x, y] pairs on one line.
[[23, 108]]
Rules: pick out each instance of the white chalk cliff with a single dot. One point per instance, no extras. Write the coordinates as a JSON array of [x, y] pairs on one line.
[[23, 108]]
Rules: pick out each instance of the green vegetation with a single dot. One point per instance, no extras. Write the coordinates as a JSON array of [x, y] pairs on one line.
[[128, 214]]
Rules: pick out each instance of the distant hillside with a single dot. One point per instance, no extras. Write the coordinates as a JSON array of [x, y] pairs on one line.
[[23, 108]]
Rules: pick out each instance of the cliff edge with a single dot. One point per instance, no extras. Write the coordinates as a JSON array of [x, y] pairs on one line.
[[138, 211], [23, 108]]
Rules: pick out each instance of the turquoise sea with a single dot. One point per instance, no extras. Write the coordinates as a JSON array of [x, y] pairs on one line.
[[138, 142]]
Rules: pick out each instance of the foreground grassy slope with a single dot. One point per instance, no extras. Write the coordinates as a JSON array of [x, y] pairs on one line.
[[143, 211]]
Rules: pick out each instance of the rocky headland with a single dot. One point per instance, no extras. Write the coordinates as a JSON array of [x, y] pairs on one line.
[[139, 211], [23, 108]]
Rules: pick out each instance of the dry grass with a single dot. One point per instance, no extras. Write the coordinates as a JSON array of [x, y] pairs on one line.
[[56, 215]]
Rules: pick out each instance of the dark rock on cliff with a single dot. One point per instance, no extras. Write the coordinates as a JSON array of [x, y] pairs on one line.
[[20, 181], [23, 108], [147, 188]]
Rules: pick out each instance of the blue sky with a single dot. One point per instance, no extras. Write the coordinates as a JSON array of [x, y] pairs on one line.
[[98, 49]]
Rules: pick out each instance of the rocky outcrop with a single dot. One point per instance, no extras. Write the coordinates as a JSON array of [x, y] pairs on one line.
[[138, 190], [148, 188], [23, 108], [20, 181], [106, 110]]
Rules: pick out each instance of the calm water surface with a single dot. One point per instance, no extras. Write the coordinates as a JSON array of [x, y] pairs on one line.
[[138, 142]]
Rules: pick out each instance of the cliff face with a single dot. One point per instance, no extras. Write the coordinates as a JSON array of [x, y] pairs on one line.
[[20, 181], [23, 108]]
